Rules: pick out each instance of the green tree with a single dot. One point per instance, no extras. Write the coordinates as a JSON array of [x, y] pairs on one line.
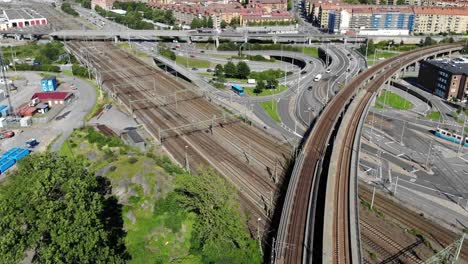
[[243, 70], [259, 87], [56, 207], [209, 22], [401, 2], [196, 23], [223, 24], [219, 71], [272, 83], [370, 46], [219, 232], [230, 70], [428, 41]]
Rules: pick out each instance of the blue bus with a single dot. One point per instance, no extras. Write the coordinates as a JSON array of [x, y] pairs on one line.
[[237, 89]]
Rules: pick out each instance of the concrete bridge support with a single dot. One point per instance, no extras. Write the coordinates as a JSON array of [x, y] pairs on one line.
[[216, 41], [116, 39]]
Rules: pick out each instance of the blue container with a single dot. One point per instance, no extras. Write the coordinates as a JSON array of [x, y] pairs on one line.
[[5, 164], [4, 110], [49, 84], [19, 154], [9, 152]]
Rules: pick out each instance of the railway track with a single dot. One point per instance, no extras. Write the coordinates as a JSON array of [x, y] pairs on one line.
[[296, 233], [411, 219], [222, 147]]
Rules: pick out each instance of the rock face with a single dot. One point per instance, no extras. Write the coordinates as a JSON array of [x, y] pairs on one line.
[[131, 216]]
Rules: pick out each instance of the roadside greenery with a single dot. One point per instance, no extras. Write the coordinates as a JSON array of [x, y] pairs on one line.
[[156, 15], [167, 52], [253, 58], [271, 108], [53, 206], [231, 70], [394, 100], [132, 19], [232, 46], [66, 7], [81, 71], [28, 67], [189, 62], [205, 22], [434, 115], [84, 3], [168, 214], [44, 54]]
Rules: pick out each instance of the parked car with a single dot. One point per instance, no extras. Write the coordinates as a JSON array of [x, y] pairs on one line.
[[328, 71], [32, 143], [209, 70], [7, 134], [194, 69]]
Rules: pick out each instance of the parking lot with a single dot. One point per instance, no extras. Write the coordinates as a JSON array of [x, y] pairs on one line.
[[69, 117]]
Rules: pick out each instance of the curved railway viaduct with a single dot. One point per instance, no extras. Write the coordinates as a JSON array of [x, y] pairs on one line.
[[319, 220]]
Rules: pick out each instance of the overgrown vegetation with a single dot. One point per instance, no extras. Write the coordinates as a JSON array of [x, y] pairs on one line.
[[53, 206], [84, 3], [40, 54], [132, 19], [156, 15], [232, 46], [394, 100], [66, 7], [434, 115], [205, 22], [167, 52], [81, 71], [170, 215], [271, 108]]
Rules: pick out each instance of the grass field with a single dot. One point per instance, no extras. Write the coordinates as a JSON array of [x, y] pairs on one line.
[[271, 109], [192, 62], [312, 51], [434, 115], [394, 100], [250, 91], [379, 56]]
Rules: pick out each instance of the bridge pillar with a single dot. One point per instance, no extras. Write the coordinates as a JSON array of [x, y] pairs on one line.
[[309, 41], [116, 39], [275, 39], [17, 37], [2, 36], [246, 39], [216, 41]]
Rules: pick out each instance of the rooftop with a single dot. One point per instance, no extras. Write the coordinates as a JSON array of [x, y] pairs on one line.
[[51, 95], [13, 14], [455, 66]]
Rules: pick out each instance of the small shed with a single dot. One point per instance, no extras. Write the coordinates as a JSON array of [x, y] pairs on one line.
[[49, 84], [53, 98], [42, 108], [26, 121], [133, 138]]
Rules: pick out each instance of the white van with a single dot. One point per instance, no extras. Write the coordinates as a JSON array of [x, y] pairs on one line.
[[318, 77]]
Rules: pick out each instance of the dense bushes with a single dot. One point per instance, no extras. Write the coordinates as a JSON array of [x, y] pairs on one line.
[[132, 19], [166, 52], [162, 16], [84, 3], [42, 67], [66, 7], [95, 137], [80, 71]]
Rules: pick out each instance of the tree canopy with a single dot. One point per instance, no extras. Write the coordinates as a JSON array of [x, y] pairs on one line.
[[243, 70], [53, 206]]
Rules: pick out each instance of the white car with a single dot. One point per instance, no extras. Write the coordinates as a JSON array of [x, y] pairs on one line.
[[328, 71]]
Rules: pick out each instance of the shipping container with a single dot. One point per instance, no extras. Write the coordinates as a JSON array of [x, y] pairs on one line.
[[4, 110], [17, 153], [49, 84], [7, 153], [5, 164]]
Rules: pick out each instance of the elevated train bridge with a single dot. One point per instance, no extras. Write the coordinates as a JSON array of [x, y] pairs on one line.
[[319, 220]]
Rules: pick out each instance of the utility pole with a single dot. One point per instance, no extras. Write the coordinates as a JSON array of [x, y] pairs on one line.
[[187, 166], [258, 236], [460, 146], [396, 185], [373, 196], [402, 133]]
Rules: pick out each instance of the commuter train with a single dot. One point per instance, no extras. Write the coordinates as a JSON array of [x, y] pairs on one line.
[[451, 136]]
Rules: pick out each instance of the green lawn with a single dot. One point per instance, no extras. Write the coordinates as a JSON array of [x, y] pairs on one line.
[[434, 115], [378, 55], [311, 51], [394, 100], [271, 109], [250, 91], [192, 62]]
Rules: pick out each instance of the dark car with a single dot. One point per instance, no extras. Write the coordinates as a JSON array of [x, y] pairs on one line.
[[32, 143], [309, 88], [194, 69]]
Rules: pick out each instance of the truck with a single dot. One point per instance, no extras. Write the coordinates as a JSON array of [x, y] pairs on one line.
[[318, 77]]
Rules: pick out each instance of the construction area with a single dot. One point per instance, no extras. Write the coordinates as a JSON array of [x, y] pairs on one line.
[[197, 133]]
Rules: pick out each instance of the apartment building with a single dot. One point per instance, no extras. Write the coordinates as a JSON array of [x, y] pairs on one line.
[[434, 20], [337, 17]]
